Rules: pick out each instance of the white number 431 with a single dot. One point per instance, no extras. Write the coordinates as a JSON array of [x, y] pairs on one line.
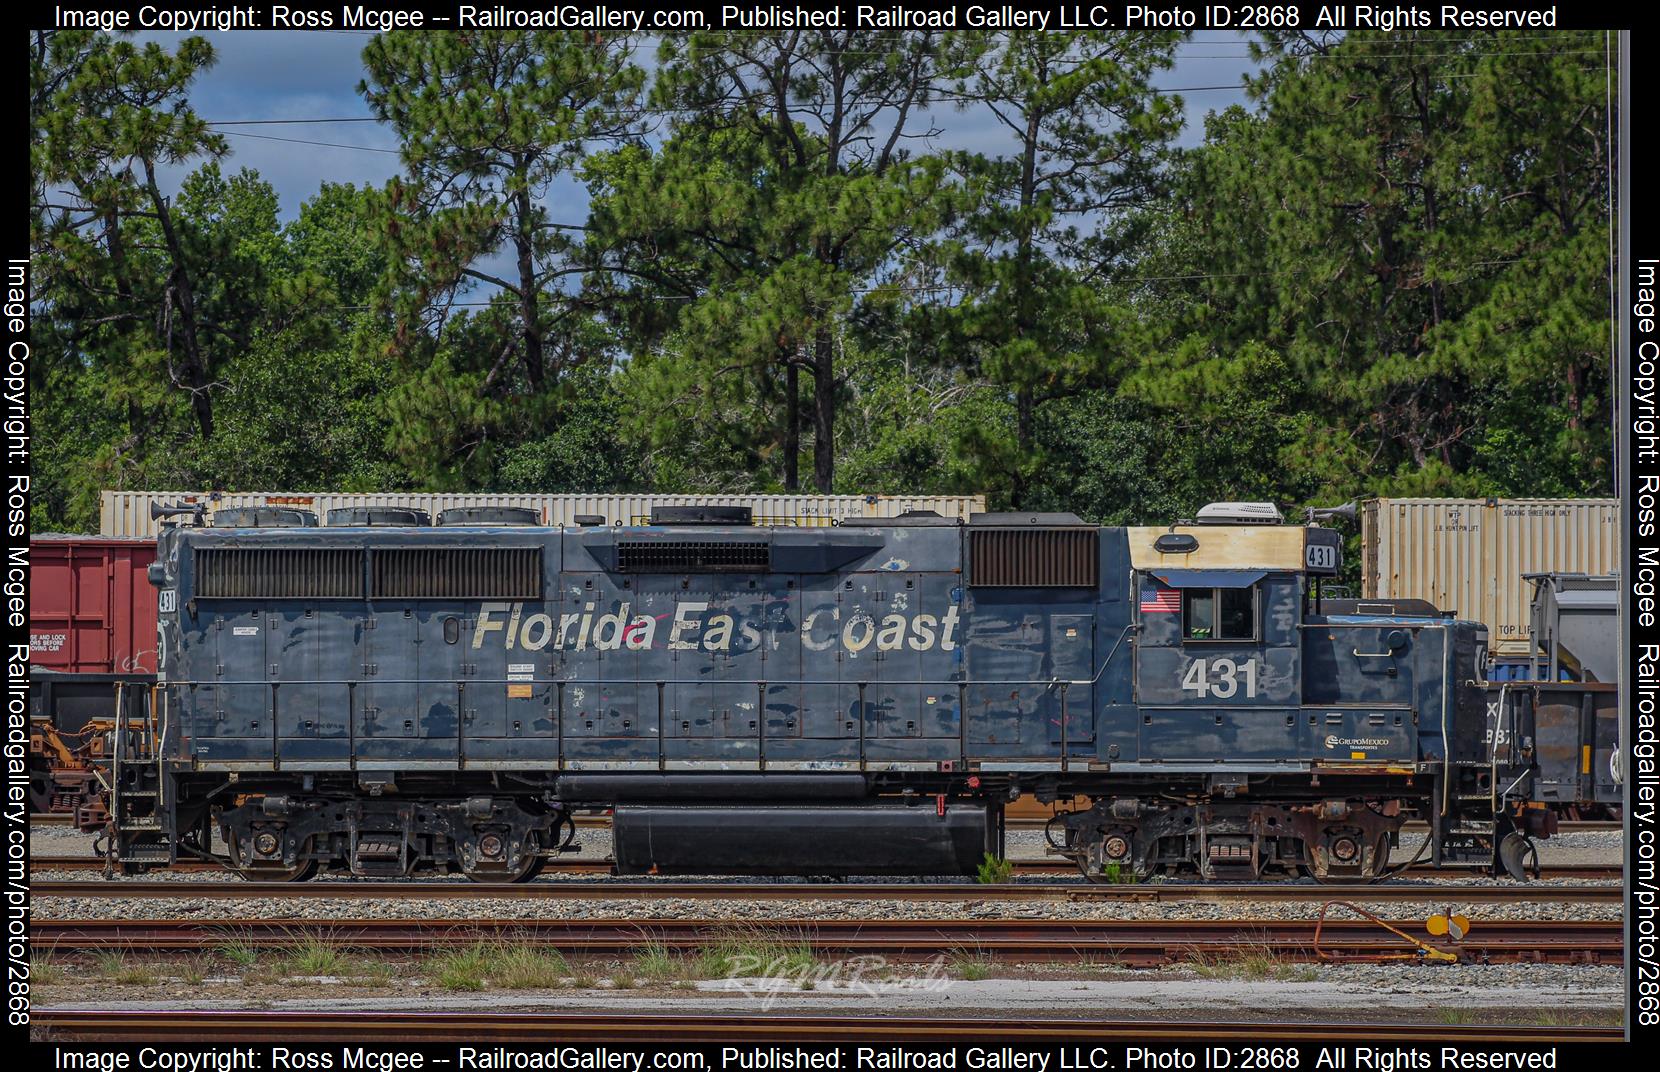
[[1221, 678]]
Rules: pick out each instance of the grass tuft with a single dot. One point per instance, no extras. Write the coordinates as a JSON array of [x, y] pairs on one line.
[[465, 968], [1259, 962], [239, 953], [45, 971], [738, 951], [994, 870], [523, 967], [1116, 874], [656, 964], [312, 956], [370, 971], [195, 970], [971, 966], [114, 967], [491, 965]]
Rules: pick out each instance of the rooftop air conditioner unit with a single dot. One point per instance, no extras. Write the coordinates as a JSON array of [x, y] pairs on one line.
[[1241, 513]]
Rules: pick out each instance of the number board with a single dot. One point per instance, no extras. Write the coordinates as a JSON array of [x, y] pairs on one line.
[[1322, 550]]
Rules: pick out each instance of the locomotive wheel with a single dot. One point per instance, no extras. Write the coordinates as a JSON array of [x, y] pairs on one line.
[[298, 873], [1093, 866], [532, 867], [40, 792], [1380, 863]]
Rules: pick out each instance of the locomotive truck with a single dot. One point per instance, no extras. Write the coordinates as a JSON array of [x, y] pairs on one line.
[[389, 698]]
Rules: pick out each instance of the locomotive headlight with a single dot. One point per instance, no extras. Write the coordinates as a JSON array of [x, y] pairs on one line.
[[265, 843], [490, 846]]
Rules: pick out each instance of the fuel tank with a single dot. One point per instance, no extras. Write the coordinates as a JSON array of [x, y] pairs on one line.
[[801, 840]]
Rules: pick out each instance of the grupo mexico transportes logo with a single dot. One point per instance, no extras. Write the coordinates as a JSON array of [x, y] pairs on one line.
[[1334, 741]]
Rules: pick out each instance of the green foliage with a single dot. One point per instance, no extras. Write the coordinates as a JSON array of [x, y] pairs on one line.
[[1416, 224], [1388, 276], [784, 190], [490, 125], [1087, 135], [994, 870]]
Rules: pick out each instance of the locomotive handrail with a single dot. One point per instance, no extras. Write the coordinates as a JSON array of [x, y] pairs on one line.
[[435, 682], [1493, 753]]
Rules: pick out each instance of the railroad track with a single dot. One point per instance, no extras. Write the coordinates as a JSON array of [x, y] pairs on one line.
[[1012, 823], [1029, 867], [1131, 943], [186, 1025], [838, 891]]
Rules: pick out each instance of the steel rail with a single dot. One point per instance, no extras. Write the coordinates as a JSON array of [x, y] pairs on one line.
[[1586, 872], [245, 1026], [1160, 893], [1128, 942], [238, 1026]]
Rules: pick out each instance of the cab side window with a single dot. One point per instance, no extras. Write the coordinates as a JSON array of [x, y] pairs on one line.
[[1219, 613]]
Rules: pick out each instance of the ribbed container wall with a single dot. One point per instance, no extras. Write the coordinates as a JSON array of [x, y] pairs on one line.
[[1470, 555], [92, 609], [127, 513]]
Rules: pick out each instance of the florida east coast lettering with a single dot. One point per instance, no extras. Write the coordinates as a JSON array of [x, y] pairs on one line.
[[694, 625]]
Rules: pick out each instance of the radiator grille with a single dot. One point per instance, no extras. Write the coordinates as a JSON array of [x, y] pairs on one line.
[[456, 573], [693, 556], [1033, 558], [279, 573]]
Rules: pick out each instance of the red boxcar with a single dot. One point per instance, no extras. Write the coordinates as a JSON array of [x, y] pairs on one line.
[[92, 608]]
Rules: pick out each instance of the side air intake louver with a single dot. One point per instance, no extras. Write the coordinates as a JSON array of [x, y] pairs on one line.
[[279, 573], [455, 573], [693, 556], [1033, 558]]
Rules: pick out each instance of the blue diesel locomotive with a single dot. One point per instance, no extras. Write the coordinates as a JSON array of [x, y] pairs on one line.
[[386, 697]]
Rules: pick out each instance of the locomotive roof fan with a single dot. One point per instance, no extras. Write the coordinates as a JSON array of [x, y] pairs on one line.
[[702, 515], [379, 517], [1240, 513], [263, 517], [490, 515]]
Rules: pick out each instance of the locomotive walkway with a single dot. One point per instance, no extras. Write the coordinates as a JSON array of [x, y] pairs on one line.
[[1130, 943], [183, 1025]]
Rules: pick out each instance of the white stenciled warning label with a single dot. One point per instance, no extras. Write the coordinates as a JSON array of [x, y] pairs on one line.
[[521, 668], [245, 630]]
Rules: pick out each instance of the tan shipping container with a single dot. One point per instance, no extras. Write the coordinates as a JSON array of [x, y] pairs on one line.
[[127, 513], [1469, 555]]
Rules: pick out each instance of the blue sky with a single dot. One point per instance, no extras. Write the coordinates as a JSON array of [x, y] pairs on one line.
[[314, 75]]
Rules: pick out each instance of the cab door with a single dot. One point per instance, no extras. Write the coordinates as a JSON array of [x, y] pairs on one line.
[[1217, 666]]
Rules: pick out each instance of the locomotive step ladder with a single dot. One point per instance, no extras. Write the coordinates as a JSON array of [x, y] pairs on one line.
[[140, 812]]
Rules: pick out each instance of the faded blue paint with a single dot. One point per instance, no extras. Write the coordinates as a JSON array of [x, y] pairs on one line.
[[892, 655]]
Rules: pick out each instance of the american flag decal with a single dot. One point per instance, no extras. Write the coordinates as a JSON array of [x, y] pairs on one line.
[[1160, 601]]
